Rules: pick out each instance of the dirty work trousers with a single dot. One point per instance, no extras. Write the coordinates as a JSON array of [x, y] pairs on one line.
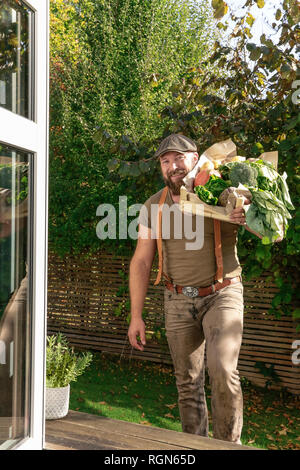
[[217, 321]]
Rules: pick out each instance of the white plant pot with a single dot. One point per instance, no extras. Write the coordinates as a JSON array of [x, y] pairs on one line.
[[57, 402]]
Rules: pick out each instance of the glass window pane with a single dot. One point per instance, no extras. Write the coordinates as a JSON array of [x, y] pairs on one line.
[[15, 311], [16, 74]]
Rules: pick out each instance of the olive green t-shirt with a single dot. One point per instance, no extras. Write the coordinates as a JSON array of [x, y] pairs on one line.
[[186, 266]]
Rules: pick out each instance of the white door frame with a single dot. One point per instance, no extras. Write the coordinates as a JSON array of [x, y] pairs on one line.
[[32, 136]]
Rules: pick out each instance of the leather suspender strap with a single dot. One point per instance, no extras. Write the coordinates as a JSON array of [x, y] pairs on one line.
[[218, 251], [159, 236]]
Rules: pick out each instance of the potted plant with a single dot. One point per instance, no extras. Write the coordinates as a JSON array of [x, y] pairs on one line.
[[63, 366]]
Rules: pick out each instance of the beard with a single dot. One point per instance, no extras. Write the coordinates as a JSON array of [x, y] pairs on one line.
[[175, 185]]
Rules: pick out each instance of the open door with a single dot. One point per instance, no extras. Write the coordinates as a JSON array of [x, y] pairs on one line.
[[23, 220]]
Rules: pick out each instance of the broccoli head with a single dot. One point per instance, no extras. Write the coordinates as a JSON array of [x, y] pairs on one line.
[[243, 173]]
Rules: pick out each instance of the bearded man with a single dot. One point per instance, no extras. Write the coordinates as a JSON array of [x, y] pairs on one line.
[[200, 307]]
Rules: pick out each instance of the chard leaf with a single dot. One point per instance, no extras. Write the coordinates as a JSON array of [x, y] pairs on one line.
[[267, 172], [285, 191], [254, 219]]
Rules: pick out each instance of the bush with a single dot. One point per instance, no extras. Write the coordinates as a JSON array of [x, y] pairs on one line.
[[112, 66], [255, 104]]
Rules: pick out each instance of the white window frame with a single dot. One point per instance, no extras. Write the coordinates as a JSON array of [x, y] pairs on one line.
[[32, 136]]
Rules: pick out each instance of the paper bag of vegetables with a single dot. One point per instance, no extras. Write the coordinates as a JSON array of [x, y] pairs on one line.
[[257, 180]]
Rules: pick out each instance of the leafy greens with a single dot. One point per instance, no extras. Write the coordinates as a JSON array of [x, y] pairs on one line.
[[210, 192], [268, 213]]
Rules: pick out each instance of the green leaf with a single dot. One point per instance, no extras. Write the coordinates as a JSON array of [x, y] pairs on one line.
[[251, 46], [250, 19], [154, 83], [267, 264], [265, 50], [285, 70], [276, 300], [122, 274], [255, 54], [260, 253], [278, 14], [260, 3], [134, 169], [259, 146], [144, 166], [254, 271], [291, 124], [118, 311], [296, 313], [220, 8], [124, 169], [112, 164], [287, 298]]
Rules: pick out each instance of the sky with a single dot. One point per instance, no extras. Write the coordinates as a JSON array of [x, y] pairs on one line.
[[263, 18]]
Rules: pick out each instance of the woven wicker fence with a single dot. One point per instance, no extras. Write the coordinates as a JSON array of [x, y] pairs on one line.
[[88, 301]]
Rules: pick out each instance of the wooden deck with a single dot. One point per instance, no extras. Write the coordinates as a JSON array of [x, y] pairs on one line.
[[83, 431]]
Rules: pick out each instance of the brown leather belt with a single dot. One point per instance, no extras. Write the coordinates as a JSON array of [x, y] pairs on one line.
[[202, 291]]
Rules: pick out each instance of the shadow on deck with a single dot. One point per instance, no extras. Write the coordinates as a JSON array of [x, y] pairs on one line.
[[83, 431]]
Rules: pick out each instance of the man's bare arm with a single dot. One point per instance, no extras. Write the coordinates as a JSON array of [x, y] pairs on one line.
[[139, 274]]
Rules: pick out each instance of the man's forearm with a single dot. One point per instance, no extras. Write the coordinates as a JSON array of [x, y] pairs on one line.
[[139, 275]]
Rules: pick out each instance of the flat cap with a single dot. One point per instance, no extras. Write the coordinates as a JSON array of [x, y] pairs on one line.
[[176, 143]]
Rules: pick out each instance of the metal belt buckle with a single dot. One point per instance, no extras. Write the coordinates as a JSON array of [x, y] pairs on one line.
[[190, 291]]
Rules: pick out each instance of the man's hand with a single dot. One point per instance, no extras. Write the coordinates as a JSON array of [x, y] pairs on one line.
[[139, 275], [137, 329], [238, 214]]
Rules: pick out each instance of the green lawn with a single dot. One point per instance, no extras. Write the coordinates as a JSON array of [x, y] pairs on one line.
[[143, 392]]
